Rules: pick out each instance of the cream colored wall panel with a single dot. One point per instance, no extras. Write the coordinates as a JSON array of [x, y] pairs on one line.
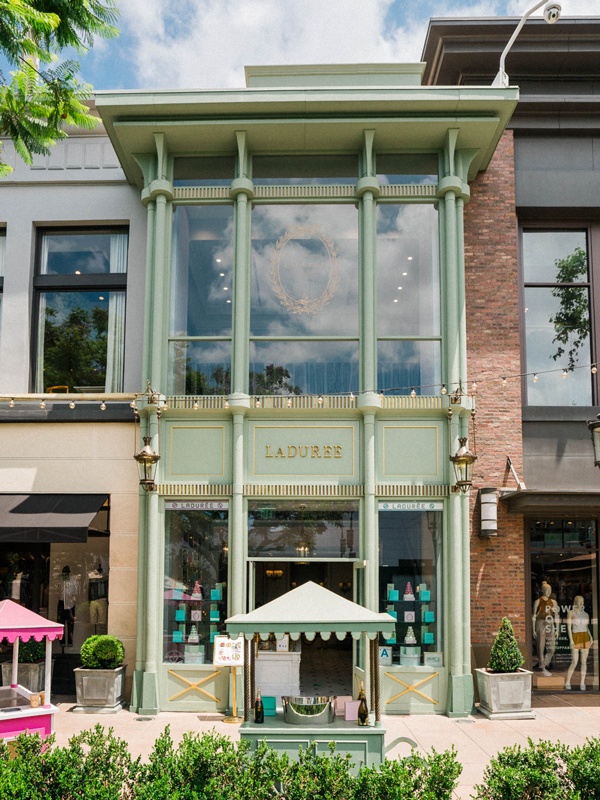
[[123, 549], [101, 440], [409, 451], [124, 511], [76, 475], [197, 450], [122, 586], [122, 620]]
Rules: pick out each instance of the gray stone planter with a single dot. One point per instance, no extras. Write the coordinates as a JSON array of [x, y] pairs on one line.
[[100, 691], [31, 676], [505, 695]]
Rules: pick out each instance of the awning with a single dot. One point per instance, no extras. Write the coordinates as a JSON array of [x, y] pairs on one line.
[[534, 502], [16, 621], [311, 609], [47, 518]]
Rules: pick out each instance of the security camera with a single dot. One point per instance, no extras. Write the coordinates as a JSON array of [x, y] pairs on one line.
[[552, 13]]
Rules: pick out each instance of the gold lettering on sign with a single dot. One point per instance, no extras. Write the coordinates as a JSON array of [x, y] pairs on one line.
[[305, 451]]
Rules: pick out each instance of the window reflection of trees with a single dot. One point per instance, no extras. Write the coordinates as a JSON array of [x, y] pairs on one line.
[[572, 320]]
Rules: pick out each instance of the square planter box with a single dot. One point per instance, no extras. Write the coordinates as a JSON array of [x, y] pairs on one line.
[[505, 695], [100, 691]]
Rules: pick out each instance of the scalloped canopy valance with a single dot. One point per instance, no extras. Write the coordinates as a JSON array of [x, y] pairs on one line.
[[17, 622]]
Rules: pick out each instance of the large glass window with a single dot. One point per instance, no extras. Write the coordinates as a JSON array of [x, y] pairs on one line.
[[398, 168], [292, 529], [304, 289], [557, 317], [195, 584], [410, 565], [80, 282], [304, 170], [201, 300], [564, 603], [408, 299]]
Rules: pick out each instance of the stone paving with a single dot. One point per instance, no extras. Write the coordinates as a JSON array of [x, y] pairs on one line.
[[475, 738]]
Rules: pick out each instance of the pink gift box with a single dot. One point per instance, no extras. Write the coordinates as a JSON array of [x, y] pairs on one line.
[[340, 704], [351, 710]]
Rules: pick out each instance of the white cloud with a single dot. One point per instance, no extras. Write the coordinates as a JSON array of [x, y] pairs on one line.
[[207, 43]]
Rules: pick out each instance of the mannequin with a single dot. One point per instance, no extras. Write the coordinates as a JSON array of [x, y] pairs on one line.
[[580, 638], [545, 619]]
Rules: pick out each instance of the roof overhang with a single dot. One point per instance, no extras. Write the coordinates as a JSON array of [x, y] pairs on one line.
[[312, 120], [541, 503]]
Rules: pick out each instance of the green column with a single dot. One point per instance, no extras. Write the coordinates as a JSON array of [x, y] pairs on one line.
[[237, 544]]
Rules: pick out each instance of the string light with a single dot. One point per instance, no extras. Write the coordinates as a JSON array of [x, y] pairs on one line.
[[195, 405], [289, 402], [320, 400], [565, 374], [43, 404], [226, 403], [412, 392], [535, 377], [103, 406], [72, 404], [444, 390], [474, 386], [504, 382], [12, 402], [594, 369], [257, 403]]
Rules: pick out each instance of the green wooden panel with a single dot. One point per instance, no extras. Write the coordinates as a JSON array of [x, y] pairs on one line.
[[304, 450], [197, 451], [410, 451]]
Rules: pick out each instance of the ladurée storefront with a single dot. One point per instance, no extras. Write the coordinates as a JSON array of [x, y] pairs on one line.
[[306, 350]]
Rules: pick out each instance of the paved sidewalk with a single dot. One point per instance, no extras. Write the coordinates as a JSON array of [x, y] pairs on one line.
[[476, 739]]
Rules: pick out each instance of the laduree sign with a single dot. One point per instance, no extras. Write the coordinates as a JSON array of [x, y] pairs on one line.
[[305, 450]]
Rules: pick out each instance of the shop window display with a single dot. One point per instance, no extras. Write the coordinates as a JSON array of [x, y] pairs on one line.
[[409, 581], [564, 611], [195, 584]]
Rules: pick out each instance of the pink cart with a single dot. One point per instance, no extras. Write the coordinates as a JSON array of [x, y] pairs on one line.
[[19, 712]]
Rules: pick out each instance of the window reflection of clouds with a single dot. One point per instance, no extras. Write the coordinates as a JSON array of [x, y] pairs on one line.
[[202, 278], [68, 254], [304, 268], [315, 367], [551, 388], [199, 367], [541, 250], [402, 366], [407, 271]]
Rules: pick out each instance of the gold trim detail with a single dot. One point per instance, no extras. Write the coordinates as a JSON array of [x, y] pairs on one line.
[[302, 490], [412, 688], [304, 305], [308, 401], [194, 685], [397, 402], [223, 490], [412, 490]]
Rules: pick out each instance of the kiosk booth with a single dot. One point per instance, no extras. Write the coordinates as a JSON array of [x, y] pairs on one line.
[[310, 610], [23, 711]]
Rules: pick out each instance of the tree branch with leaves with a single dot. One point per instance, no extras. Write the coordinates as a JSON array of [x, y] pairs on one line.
[[43, 95]]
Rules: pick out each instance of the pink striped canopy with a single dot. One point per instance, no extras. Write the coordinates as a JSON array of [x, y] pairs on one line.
[[19, 622]]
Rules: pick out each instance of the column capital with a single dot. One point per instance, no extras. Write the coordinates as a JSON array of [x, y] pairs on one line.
[[156, 188]]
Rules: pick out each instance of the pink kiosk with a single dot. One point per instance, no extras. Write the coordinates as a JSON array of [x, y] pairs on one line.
[[22, 711]]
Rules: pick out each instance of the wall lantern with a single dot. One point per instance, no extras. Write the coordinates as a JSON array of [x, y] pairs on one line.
[[462, 462], [594, 427], [488, 499], [147, 460]]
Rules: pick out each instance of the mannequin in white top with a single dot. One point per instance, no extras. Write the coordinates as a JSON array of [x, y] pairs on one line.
[[580, 639]]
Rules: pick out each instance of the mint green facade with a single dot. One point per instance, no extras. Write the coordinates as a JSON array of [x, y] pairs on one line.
[[372, 444]]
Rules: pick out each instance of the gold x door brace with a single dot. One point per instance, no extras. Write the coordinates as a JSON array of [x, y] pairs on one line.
[[194, 685], [412, 688]]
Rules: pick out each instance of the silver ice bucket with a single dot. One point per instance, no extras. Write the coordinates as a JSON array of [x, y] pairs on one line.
[[319, 710]]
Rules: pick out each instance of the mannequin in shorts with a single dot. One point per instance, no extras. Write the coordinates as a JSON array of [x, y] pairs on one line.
[[580, 639], [545, 619]]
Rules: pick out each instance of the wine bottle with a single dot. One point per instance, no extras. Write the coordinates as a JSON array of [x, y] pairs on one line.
[[363, 710], [259, 709]]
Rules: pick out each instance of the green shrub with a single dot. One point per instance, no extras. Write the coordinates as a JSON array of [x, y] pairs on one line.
[[319, 777], [505, 655], [417, 777], [102, 652], [31, 652], [537, 772], [583, 765]]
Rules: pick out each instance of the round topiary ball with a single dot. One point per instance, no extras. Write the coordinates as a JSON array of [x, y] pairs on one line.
[[102, 652]]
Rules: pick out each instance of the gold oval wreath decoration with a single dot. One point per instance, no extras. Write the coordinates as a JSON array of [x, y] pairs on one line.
[[304, 305]]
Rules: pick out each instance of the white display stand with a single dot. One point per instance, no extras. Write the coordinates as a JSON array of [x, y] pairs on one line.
[[277, 673]]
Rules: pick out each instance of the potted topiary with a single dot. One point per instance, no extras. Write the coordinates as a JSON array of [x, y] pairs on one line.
[[504, 687], [32, 663], [100, 681]]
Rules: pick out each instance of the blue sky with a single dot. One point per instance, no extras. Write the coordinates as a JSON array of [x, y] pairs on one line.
[[170, 44]]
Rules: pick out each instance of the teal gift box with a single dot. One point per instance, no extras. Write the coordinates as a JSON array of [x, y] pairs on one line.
[[215, 615], [393, 595], [428, 616], [177, 636], [391, 641], [180, 615], [269, 705], [428, 638], [425, 596], [215, 594], [213, 634], [393, 614]]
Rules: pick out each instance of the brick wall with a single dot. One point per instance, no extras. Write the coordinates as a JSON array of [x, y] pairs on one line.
[[492, 297]]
